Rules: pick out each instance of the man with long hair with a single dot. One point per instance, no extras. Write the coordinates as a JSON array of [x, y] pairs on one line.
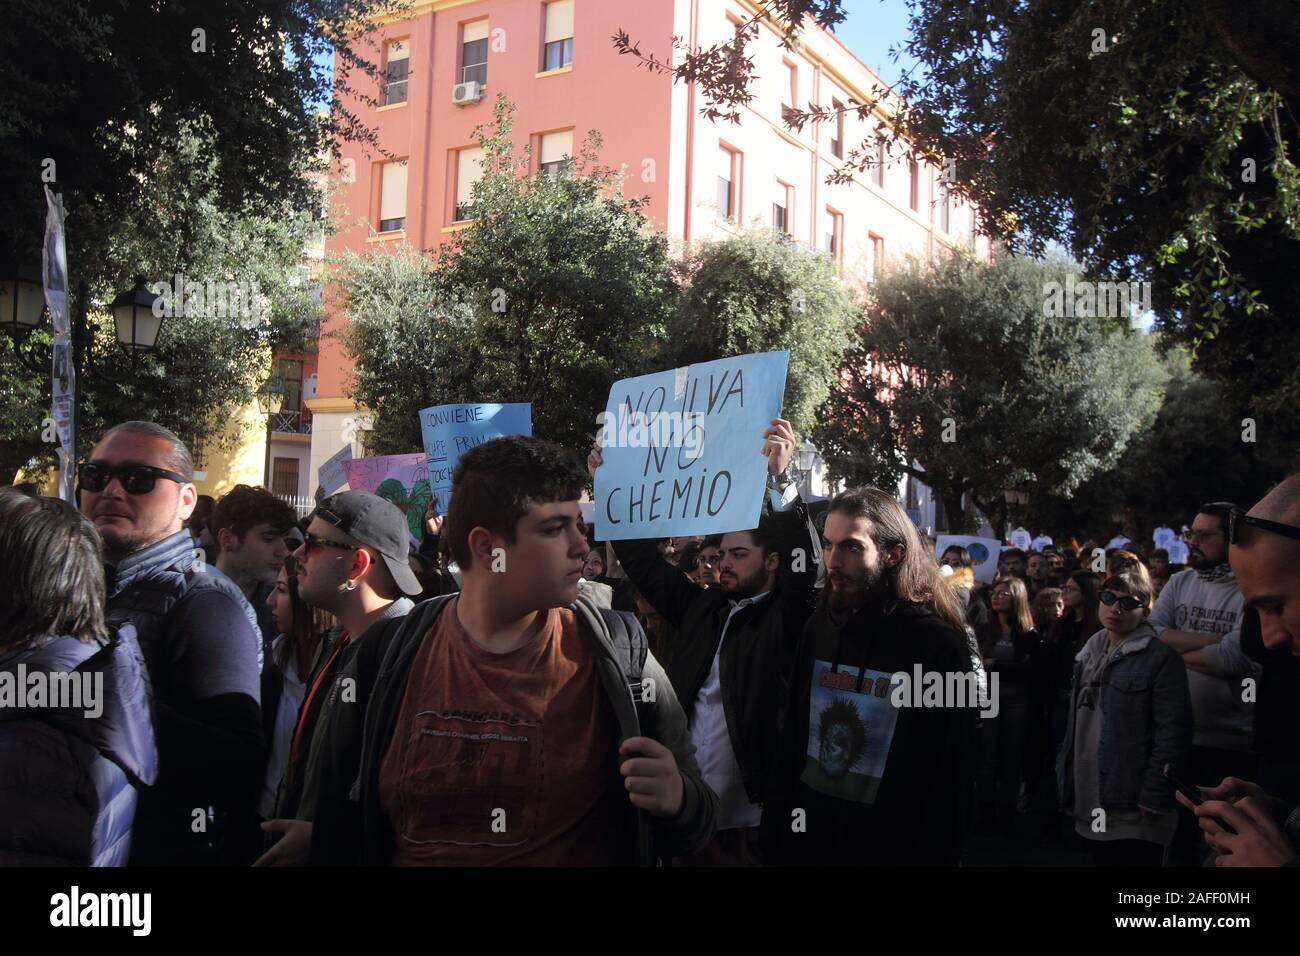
[[904, 795]]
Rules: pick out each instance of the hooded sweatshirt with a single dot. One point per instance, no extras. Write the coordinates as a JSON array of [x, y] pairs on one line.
[[1210, 602], [868, 776]]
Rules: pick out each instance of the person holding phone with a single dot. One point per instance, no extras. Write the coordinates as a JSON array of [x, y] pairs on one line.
[[1242, 823], [1130, 715]]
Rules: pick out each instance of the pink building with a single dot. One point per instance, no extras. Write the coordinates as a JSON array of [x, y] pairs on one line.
[[555, 59]]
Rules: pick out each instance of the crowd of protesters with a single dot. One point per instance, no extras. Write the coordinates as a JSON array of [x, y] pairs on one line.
[[329, 691]]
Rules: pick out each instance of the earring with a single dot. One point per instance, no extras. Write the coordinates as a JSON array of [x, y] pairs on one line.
[[351, 585]]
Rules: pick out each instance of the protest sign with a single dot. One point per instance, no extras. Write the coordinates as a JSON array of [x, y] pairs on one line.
[[401, 479], [449, 431], [331, 474], [983, 551], [682, 448]]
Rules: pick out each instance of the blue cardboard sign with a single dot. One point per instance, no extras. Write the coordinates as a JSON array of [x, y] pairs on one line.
[[682, 449], [449, 431], [331, 473]]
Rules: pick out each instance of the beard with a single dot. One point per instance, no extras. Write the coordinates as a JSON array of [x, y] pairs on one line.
[[744, 588], [858, 592], [120, 543], [1201, 563]]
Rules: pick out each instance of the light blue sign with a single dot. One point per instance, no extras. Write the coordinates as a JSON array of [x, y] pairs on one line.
[[331, 473], [682, 449], [449, 431]]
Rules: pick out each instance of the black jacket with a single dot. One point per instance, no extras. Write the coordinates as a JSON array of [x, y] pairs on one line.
[[350, 825], [921, 804], [201, 644], [301, 784], [755, 663]]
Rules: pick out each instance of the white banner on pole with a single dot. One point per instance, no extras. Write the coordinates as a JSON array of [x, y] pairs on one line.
[[63, 373]]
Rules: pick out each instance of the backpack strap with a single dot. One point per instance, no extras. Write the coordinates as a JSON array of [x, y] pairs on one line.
[[633, 647]]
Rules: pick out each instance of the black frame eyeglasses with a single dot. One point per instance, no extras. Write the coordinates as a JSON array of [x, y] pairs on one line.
[[1126, 602], [94, 477]]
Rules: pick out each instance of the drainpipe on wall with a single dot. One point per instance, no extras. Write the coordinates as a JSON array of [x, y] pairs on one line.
[[690, 124]]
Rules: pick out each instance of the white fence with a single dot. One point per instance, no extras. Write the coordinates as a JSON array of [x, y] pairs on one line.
[[303, 506]]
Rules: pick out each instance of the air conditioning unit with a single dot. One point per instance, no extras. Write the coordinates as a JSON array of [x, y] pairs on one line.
[[463, 94]]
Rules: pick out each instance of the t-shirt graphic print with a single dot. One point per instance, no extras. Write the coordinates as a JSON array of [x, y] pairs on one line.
[[849, 732]]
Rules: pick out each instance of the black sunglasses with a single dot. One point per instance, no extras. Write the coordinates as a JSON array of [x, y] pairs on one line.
[[1126, 602], [1237, 518], [135, 479]]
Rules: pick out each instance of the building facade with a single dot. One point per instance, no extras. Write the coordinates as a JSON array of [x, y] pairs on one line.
[[448, 60]]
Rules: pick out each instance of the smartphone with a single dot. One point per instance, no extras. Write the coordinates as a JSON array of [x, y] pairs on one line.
[[1193, 794]]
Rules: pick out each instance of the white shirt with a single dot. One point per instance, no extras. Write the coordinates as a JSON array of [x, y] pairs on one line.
[[1042, 541], [286, 718], [713, 750], [1119, 541], [1163, 537]]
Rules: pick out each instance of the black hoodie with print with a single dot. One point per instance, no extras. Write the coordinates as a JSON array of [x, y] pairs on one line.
[[874, 770]]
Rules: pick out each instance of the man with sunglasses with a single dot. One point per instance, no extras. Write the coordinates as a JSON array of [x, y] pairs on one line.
[[1199, 614], [1264, 549], [200, 640], [353, 563]]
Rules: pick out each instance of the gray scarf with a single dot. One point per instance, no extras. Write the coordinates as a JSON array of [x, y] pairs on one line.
[[1221, 573]]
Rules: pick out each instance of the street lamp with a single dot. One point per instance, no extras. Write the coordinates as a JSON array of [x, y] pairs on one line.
[[22, 300], [806, 462], [137, 320]]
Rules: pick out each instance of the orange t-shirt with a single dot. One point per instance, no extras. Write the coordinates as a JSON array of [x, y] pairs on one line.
[[505, 758]]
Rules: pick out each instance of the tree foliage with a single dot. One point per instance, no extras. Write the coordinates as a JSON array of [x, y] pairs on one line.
[[752, 293], [95, 94], [179, 136], [1153, 140], [1200, 448], [206, 366], [559, 288], [958, 379]]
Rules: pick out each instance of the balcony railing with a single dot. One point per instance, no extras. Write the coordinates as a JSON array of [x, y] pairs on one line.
[[292, 421]]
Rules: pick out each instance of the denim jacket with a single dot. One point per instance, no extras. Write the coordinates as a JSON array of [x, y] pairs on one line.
[[1147, 722]]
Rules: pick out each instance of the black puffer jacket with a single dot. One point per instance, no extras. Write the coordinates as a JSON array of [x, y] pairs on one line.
[[69, 778]]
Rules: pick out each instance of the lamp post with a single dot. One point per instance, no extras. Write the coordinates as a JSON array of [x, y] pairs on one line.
[[270, 399], [136, 318]]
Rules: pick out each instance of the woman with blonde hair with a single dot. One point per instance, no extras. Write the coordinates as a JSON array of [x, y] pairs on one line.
[[1009, 646]]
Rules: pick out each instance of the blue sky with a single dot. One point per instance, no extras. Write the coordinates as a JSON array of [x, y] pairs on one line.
[[870, 29]]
